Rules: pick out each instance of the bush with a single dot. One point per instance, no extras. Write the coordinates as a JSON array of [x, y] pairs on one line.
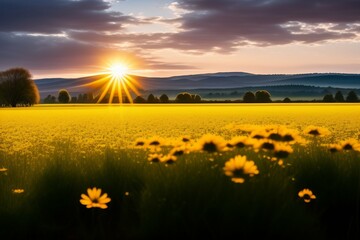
[[17, 88]]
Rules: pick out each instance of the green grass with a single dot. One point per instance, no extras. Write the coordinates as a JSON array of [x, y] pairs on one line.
[[191, 198]]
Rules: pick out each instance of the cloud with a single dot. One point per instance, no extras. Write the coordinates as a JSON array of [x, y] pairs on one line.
[[56, 16], [177, 10], [59, 53], [225, 25], [72, 35], [228, 24]]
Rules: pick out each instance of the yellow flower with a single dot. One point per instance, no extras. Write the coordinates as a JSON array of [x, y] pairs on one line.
[[239, 167], [18, 190], [178, 151], [259, 134], [168, 159], [211, 143], [185, 139], [154, 157], [350, 144], [239, 142], [155, 142], [307, 195], [140, 142], [334, 148], [316, 131], [264, 144], [282, 150], [283, 134], [3, 169], [95, 199]]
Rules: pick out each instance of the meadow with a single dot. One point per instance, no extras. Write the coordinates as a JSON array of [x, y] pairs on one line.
[[197, 170]]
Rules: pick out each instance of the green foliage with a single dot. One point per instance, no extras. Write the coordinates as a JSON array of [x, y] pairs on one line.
[[64, 96], [17, 88], [189, 199]]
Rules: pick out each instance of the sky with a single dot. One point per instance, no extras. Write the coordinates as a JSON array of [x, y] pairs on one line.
[[74, 38]]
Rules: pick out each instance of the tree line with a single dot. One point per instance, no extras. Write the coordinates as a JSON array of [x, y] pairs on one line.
[[339, 97], [18, 89], [65, 97], [261, 96]]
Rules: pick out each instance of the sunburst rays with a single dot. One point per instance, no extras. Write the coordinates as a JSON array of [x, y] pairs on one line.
[[115, 84]]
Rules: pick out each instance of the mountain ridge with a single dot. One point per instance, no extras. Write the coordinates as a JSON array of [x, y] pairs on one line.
[[219, 80]]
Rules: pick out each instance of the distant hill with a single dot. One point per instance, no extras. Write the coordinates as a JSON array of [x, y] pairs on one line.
[[212, 81]]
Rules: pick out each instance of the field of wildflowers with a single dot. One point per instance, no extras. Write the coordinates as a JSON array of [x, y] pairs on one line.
[[158, 171]]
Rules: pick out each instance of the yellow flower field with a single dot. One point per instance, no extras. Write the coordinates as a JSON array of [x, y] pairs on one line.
[[94, 127], [154, 171]]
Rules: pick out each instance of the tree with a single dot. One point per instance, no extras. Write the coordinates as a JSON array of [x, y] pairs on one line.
[[151, 98], [339, 97], [90, 97], [328, 98], [73, 100], [139, 99], [64, 96], [183, 97], [85, 98], [263, 96], [164, 98], [80, 98], [352, 97], [50, 99], [196, 98], [249, 97], [287, 100], [18, 88]]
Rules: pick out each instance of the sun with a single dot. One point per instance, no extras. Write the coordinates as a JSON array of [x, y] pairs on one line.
[[118, 70], [115, 84]]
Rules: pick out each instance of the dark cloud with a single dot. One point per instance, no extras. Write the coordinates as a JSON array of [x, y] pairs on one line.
[[227, 24], [89, 30], [54, 54], [224, 25], [56, 16]]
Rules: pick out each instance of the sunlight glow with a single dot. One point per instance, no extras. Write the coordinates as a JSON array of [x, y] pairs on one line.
[[118, 70], [116, 86]]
